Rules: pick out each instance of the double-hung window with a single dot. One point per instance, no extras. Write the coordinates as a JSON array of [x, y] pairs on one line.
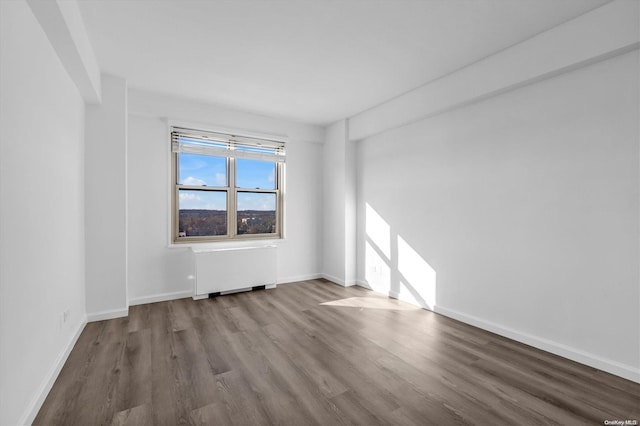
[[225, 186]]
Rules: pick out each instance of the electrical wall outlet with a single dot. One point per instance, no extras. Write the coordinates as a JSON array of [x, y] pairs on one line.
[[63, 318]]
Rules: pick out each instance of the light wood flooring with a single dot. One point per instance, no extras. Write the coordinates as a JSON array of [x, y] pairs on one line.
[[316, 353]]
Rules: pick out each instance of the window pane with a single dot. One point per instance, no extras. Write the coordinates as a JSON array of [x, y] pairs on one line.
[[256, 213], [255, 174], [202, 170], [202, 213]]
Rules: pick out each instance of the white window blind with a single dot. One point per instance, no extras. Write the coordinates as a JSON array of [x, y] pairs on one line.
[[226, 145]]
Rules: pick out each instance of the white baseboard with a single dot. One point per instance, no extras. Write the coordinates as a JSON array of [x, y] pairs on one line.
[[295, 279], [625, 371], [200, 296], [37, 401], [329, 277], [105, 315], [340, 281], [333, 279], [393, 294], [162, 297], [364, 284]]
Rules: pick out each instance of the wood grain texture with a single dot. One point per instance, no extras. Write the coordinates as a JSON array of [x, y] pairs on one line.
[[317, 353]]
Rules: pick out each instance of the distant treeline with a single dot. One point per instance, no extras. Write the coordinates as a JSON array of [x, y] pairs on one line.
[[199, 222]]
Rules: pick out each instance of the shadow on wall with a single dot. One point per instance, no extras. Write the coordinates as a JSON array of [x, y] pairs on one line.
[[393, 267]]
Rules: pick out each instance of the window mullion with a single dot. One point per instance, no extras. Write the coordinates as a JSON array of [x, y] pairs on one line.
[[257, 190], [175, 215], [231, 197], [279, 203]]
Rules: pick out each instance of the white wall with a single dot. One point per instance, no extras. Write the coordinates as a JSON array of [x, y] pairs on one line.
[[339, 211], [156, 271], [601, 33], [350, 212], [41, 213], [521, 210], [333, 265], [152, 104], [63, 24], [106, 198]]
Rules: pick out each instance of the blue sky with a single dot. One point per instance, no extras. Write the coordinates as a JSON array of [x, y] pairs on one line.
[[255, 174], [217, 200], [202, 170], [253, 201], [208, 170], [203, 200]]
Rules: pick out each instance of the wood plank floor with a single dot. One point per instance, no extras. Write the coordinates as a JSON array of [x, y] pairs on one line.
[[316, 353]]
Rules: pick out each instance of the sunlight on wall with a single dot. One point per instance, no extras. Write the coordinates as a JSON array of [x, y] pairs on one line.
[[377, 271], [396, 269], [378, 231], [419, 275]]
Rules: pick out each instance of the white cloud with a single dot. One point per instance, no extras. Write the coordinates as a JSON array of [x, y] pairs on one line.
[[189, 196], [202, 200], [191, 200], [221, 179], [272, 176], [256, 202], [193, 181]]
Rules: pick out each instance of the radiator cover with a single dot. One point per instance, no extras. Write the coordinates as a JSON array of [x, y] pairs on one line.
[[225, 270]]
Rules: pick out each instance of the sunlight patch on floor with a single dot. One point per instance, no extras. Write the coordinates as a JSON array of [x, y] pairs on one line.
[[372, 303]]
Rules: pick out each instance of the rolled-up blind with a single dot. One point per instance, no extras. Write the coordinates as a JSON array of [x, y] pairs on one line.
[[226, 145]]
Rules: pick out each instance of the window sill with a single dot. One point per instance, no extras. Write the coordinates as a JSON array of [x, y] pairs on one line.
[[229, 245]]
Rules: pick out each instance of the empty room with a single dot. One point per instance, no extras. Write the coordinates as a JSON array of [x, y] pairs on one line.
[[320, 212]]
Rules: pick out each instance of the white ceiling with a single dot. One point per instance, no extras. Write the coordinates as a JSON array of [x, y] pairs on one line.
[[313, 61]]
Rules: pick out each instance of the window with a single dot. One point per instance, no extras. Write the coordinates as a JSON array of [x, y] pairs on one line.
[[225, 186]]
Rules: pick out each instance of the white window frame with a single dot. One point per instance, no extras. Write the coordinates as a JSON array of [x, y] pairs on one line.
[[231, 189]]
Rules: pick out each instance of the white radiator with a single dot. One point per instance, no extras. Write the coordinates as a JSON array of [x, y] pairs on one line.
[[227, 270]]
